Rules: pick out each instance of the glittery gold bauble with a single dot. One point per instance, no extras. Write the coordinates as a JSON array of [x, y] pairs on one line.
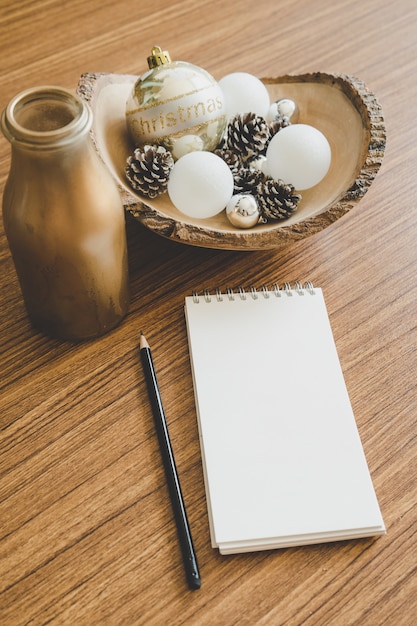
[[174, 100]]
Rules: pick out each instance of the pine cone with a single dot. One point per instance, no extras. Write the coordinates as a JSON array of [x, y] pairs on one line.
[[231, 158], [222, 145], [276, 200], [148, 170], [247, 180], [247, 134]]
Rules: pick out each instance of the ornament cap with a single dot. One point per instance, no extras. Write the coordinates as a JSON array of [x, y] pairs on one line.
[[158, 57]]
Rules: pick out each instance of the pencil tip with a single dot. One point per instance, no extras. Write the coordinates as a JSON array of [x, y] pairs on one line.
[[142, 341]]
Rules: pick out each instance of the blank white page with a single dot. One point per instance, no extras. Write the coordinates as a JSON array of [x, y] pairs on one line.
[[282, 458]]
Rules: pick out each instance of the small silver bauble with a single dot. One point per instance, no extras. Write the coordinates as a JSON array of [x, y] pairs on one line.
[[285, 107], [242, 210]]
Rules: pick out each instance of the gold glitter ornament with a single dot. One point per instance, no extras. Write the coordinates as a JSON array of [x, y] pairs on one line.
[[174, 100]]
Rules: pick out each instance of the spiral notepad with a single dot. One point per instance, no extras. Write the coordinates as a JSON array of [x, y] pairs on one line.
[[282, 459]]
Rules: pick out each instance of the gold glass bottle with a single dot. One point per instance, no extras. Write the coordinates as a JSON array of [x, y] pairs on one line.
[[63, 217]]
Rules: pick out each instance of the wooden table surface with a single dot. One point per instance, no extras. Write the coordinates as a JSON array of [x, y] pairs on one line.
[[87, 533]]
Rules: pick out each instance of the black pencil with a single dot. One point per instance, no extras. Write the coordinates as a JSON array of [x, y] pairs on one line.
[[186, 542]]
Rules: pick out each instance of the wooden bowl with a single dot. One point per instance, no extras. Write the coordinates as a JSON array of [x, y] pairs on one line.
[[337, 104]]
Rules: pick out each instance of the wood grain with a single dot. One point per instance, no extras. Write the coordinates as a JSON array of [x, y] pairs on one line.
[[86, 529]]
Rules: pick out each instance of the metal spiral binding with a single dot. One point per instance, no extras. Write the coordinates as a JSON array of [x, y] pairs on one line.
[[242, 293]]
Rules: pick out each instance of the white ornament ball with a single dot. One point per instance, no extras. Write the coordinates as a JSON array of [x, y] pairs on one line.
[[244, 93], [200, 184], [242, 211], [299, 155], [175, 99]]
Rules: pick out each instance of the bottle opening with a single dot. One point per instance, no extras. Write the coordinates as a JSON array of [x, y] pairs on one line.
[[45, 116]]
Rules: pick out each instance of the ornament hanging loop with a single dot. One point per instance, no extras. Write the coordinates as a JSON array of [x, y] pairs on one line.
[[158, 57]]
